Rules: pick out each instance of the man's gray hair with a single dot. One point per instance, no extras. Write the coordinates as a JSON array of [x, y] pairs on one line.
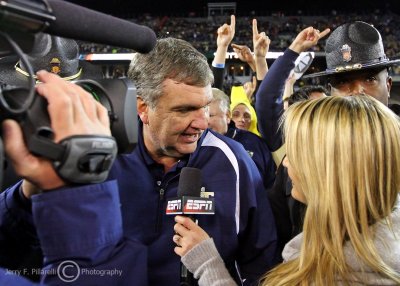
[[173, 59], [222, 98]]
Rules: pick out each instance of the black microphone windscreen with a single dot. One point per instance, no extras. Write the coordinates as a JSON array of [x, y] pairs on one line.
[[190, 182], [80, 23]]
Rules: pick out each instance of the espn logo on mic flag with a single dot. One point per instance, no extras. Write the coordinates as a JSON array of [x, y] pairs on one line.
[[191, 205]]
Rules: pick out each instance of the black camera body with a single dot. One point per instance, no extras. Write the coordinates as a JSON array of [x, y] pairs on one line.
[[79, 159], [118, 96]]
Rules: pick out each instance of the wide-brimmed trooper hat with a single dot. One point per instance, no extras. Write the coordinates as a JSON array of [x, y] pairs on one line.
[[54, 54], [354, 46]]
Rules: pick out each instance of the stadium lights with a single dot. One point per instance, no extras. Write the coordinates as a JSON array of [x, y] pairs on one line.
[[129, 56]]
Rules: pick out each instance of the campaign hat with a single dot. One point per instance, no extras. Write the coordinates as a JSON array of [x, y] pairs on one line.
[[352, 47]]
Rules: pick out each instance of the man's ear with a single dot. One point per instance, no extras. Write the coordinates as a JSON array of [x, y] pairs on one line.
[[142, 109], [329, 87], [389, 83], [228, 116]]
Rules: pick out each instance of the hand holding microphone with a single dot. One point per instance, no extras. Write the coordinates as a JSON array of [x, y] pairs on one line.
[[187, 235], [189, 202]]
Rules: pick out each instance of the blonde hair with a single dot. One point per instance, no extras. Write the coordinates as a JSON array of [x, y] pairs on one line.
[[348, 169]]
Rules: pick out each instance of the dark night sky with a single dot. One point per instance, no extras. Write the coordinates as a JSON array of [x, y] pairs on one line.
[[120, 7]]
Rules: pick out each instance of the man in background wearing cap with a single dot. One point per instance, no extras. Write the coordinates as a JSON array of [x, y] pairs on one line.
[[356, 62]]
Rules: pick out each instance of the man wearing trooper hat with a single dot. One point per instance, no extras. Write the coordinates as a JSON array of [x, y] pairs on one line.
[[356, 62]]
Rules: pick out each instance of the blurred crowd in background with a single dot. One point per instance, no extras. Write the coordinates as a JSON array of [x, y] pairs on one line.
[[281, 29]]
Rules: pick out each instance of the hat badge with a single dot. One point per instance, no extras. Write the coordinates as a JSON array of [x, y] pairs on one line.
[[55, 65], [346, 52]]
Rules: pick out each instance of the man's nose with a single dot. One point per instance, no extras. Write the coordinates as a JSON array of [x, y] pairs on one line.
[[200, 119], [356, 88]]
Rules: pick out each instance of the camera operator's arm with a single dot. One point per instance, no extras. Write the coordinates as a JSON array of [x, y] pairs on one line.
[[77, 226], [19, 245], [10, 278], [74, 112]]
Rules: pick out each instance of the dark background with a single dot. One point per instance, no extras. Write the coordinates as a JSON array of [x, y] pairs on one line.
[[244, 7], [379, 11]]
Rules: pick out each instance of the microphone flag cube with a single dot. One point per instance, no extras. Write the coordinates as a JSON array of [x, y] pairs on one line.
[[191, 205]]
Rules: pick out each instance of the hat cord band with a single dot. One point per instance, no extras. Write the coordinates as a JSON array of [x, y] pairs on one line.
[[358, 65], [72, 77]]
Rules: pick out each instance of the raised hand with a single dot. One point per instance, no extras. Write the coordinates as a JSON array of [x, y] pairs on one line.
[[226, 33], [250, 87], [261, 42], [307, 38], [244, 54]]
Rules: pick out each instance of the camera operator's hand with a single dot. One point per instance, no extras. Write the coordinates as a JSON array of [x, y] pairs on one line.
[[72, 111]]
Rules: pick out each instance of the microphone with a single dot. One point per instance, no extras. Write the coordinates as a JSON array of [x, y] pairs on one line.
[[189, 202], [73, 21], [64, 19]]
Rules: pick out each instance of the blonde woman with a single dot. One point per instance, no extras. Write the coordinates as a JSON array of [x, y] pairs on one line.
[[347, 172]]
